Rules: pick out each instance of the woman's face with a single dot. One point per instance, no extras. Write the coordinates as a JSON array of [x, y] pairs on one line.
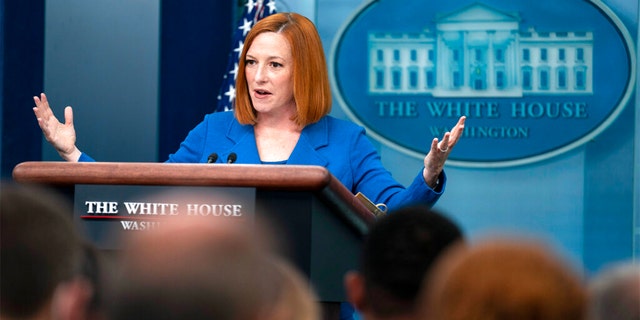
[[269, 72]]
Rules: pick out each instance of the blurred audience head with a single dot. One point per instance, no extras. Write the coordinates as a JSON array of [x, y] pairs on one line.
[[398, 251], [615, 293], [41, 256], [504, 279], [294, 299], [196, 268]]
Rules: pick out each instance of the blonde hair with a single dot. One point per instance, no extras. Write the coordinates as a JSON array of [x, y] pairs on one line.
[[311, 90]]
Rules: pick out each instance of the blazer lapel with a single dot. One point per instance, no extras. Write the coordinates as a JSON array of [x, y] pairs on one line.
[[313, 136], [243, 141]]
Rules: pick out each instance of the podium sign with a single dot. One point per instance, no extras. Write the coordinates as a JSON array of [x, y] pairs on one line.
[[108, 212], [320, 220]]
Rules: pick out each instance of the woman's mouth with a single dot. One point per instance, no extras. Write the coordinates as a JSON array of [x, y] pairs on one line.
[[260, 93]]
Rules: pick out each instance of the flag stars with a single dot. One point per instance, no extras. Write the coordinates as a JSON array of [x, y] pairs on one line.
[[238, 49], [231, 93], [234, 72], [246, 26], [272, 6], [250, 5]]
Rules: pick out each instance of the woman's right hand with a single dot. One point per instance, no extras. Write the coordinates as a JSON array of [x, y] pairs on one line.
[[62, 136]]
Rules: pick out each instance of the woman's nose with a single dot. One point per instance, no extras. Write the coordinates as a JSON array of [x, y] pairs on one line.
[[261, 75]]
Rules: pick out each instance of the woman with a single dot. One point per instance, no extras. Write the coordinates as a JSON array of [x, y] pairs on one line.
[[281, 116]]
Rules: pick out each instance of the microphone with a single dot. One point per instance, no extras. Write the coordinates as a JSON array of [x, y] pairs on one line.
[[212, 158], [232, 157]]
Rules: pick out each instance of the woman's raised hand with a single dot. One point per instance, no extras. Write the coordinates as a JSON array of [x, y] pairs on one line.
[[62, 136], [439, 152]]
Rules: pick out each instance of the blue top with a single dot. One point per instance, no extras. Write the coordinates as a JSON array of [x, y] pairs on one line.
[[338, 145]]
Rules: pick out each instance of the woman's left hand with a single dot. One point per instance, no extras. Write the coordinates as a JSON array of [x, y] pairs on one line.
[[439, 152]]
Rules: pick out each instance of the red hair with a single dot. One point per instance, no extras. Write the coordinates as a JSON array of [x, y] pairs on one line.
[[503, 279], [311, 90]]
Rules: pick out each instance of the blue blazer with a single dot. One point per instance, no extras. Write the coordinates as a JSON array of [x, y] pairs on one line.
[[338, 145]]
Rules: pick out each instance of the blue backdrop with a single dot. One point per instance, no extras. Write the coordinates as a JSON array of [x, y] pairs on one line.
[[581, 201], [140, 74]]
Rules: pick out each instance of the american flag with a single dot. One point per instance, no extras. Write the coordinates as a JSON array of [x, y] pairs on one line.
[[253, 11]]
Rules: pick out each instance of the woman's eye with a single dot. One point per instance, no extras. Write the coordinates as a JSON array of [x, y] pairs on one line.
[[276, 64], [249, 62]]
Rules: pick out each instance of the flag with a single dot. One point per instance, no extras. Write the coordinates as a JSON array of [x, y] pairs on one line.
[[253, 11]]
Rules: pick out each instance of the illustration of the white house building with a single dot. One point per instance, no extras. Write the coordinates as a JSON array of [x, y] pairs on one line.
[[479, 51]]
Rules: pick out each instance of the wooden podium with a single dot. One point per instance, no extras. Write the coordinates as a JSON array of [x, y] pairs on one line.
[[323, 222]]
